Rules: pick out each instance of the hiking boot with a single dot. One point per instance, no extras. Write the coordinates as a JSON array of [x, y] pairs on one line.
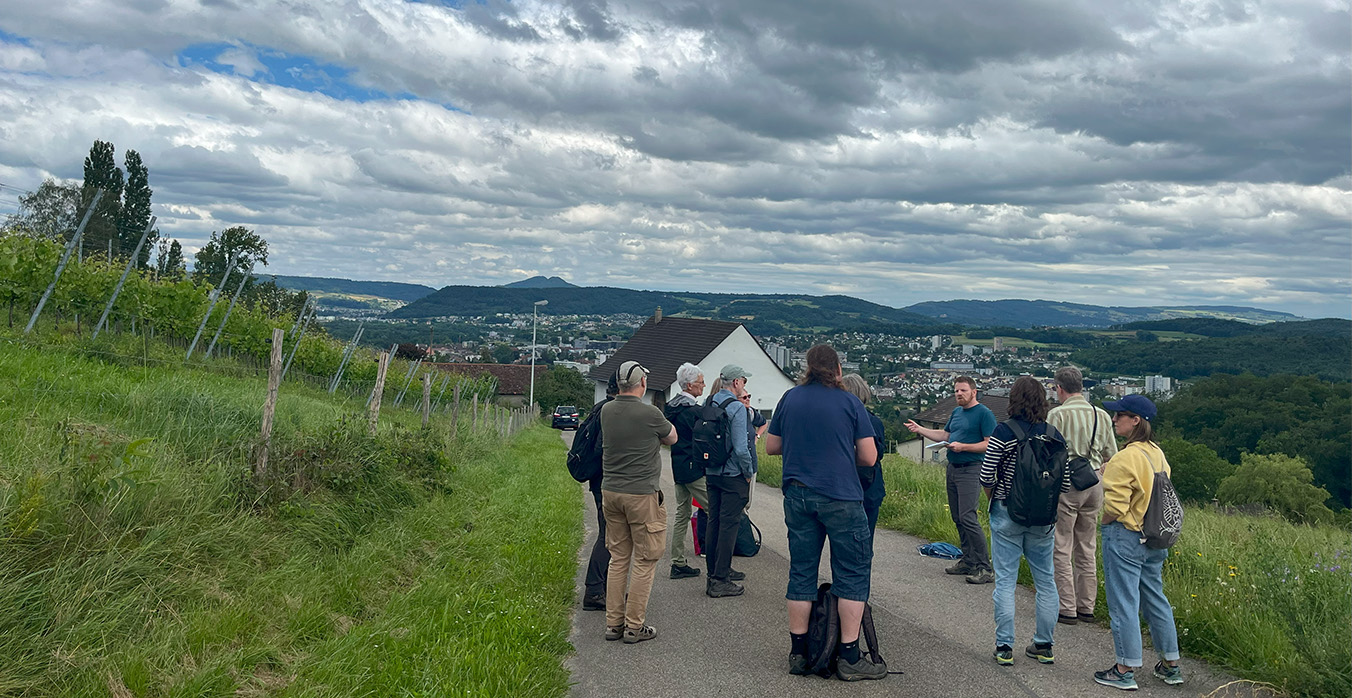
[[614, 633], [594, 602], [1085, 617], [1042, 653], [961, 568], [735, 576], [633, 635], [862, 670], [798, 664], [1172, 675], [984, 576], [1004, 655], [683, 571], [1067, 620], [1117, 679], [719, 588]]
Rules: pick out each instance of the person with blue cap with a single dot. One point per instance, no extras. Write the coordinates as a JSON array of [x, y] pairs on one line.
[[1133, 573]]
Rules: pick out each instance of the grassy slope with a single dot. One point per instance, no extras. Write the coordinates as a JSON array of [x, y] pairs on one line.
[[409, 564], [1269, 599]]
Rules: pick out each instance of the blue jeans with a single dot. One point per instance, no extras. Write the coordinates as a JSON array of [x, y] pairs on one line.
[[1009, 542], [812, 518], [1133, 577]]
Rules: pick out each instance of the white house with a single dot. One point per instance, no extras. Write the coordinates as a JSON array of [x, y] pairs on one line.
[[663, 344]]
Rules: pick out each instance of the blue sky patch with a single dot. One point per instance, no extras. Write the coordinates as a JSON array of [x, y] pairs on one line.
[[282, 69], [8, 38]]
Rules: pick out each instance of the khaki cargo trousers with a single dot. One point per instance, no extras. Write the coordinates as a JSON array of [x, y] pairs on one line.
[[636, 536]]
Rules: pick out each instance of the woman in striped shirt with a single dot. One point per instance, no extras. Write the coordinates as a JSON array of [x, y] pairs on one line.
[[1010, 540]]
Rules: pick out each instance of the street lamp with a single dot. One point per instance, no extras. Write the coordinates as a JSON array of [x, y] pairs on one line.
[[535, 317]]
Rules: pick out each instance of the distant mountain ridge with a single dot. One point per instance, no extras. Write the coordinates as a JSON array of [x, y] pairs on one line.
[[779, 313], [392, 290], [541, 282], [1037, 313]]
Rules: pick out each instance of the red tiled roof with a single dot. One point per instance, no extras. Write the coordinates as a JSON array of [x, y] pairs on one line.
[[513, 379]]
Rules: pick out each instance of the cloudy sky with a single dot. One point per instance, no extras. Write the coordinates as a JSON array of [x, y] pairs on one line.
[[1125, 153]]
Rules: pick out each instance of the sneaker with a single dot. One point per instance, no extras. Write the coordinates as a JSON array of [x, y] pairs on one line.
[[798, 664], [862, 670], [683, 571], [1112, 677], [961, 568], [1067, 620], [735, 576], [633, 635], [1172, 675], [594, 602], [719, 589], [984, 576], [1004, 655], [614, 633], [1040, 653], [1085, 617]]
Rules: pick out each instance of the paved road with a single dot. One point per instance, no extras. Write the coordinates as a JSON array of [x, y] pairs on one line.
[[936, 628]]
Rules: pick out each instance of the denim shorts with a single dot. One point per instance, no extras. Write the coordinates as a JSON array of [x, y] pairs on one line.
[[812, 518]]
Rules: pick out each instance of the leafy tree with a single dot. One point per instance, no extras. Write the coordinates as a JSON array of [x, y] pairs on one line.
[[412, 352], [1295, 415], [563, 386], [1146, 336], [135, 214], [503, 354], [1281, 483], [275, 301], [1197, 470], [213, 257], [101, 172], [52, 211], [169, 262]]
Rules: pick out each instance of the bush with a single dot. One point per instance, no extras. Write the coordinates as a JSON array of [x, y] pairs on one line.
[[1279, 482], [1196, 469]]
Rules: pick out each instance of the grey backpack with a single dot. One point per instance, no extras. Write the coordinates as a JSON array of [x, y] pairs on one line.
[[1163, 519]]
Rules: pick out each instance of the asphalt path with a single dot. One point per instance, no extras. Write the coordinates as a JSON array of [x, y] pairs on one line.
[[936, 628]]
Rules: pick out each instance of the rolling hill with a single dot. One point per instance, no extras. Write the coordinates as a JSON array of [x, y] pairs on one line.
[[1039, 313]]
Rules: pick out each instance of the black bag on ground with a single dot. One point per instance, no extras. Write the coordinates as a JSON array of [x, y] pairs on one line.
[[748, 539], [823, 635], [1039, 470], [701, 528], [711, 438], [584, 457], [1082, 475], [1163, 520]]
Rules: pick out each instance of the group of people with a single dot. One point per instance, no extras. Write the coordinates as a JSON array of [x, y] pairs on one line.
[[832, 484]]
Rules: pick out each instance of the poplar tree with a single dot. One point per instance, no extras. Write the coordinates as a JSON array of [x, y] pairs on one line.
[[136, 210], [101, 172]]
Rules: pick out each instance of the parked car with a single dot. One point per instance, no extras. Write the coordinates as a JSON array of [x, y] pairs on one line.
[[565, 417]]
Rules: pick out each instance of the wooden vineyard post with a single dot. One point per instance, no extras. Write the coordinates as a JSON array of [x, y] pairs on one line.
[[427, 398], [455, 410], [380, 388], [270, 405], [474, 415]]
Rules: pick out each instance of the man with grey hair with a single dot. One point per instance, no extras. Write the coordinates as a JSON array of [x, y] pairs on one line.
[[682, 411], [1088, 431], [632, 435]]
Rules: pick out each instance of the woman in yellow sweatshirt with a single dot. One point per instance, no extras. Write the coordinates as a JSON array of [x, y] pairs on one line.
[[1133, 573]]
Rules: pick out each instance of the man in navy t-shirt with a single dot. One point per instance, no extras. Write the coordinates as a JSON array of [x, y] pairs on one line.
[[968, 431], [823, 432]]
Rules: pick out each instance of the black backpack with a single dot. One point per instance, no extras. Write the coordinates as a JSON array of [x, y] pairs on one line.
[[748, 539], [823, 634], [1163, 520], [584, 458], [711, 438], [1039, 471]]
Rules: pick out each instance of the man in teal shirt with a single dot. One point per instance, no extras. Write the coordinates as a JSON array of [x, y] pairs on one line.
[[968, 431]]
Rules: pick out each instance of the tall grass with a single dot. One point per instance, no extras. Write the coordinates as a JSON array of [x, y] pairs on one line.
[[1269, 599], [137, 557]]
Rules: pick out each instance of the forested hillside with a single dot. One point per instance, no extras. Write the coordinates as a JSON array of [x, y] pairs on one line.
[[1317, 348]]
